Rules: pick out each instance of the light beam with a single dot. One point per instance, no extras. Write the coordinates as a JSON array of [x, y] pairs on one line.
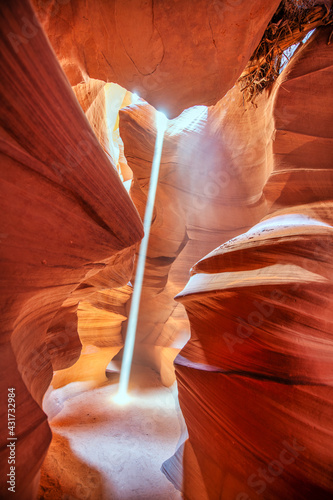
[[161, 122]]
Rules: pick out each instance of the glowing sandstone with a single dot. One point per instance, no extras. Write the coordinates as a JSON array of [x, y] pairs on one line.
[[173, 54], [65, 213], [210, 187], [255, 380], [260, 306], [263, 374]]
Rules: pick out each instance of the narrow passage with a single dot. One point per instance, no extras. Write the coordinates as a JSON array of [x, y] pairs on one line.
[[104, 451]]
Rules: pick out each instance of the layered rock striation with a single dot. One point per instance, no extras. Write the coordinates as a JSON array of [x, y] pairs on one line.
[[173, 54], [65, 214], [210, 188], [253, 180], [255, 379]]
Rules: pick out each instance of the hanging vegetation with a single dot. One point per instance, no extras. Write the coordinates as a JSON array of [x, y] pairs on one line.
[[292, 21]]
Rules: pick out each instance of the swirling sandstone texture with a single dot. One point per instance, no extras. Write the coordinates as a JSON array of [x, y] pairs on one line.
[[255, 380], [252, 181], [66, 216], [174, 54], [210, 188]]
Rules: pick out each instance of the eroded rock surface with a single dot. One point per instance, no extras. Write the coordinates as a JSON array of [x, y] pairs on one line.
[[65, 212], [255, 379], [215, 163], [174, 54]]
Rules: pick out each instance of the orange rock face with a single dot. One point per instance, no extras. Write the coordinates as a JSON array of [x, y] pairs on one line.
[[252, 181], [174, 54], [65, 213], [210, 188], [255, 379]]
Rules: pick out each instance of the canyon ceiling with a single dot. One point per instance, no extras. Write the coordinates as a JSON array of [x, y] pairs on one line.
[[237, 295]]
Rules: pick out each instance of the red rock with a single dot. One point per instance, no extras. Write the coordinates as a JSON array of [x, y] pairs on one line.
[[173, 54], [257, 370], [210, 187], [255, 379], [64, 213]]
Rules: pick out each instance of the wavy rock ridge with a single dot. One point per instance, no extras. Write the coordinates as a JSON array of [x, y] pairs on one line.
[[255, 379], [252, 181], [65, 215]]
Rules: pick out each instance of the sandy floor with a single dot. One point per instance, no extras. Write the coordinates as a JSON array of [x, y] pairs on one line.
[[103, 451]]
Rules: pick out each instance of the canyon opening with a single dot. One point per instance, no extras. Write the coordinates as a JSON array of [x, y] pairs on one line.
[[166, 250]]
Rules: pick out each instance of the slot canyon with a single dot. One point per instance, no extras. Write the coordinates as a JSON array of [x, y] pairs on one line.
[[230, 393]]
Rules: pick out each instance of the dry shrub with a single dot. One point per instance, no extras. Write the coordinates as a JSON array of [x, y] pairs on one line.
[[293, 7], [289, 25]]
